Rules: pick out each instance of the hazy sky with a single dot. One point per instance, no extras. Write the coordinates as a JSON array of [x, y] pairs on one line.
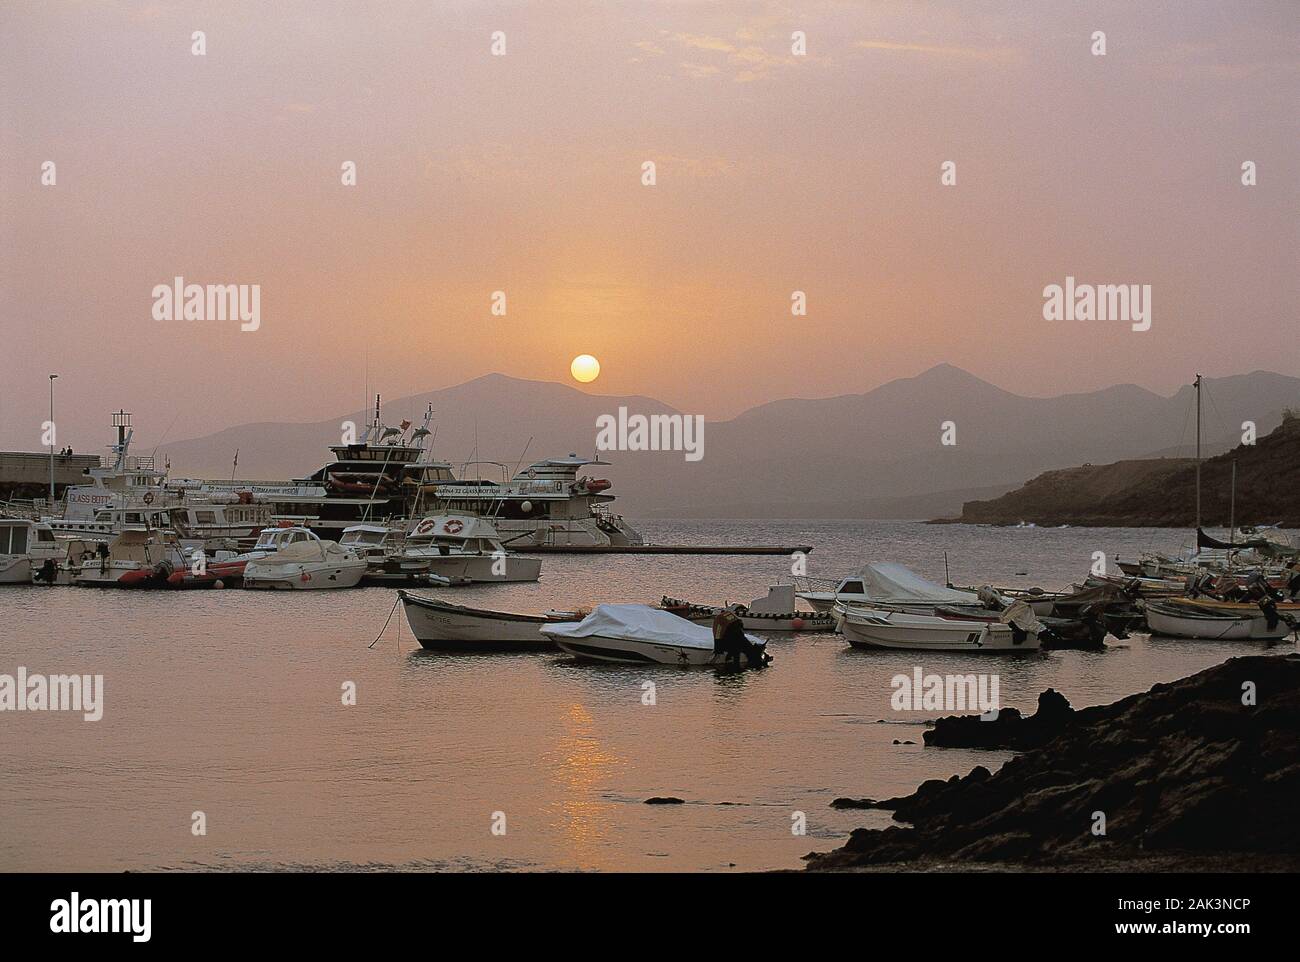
[[522, 173]]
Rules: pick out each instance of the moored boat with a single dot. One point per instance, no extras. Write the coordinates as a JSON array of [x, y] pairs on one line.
[[25, 547], [641, 635], [775, 612], [304, 566], [865, 627], [135, 558], [440, 626], [466, 548], [1193, 618]]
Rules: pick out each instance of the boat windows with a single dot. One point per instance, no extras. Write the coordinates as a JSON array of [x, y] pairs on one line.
[[852, 588], [205, 517], [13, 539]]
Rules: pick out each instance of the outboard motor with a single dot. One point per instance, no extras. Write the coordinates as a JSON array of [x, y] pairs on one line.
[[729, 638]]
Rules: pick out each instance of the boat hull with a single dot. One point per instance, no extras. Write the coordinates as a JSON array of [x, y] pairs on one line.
[[880, 628], [460, 569], [1172, 623], [303, 577], [439, 626], [15, 570], [629, 652]]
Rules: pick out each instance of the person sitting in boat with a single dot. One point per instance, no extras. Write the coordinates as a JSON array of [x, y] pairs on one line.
[[729, 637]]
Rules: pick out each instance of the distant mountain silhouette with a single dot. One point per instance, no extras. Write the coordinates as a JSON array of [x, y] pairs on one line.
[[876, 454]]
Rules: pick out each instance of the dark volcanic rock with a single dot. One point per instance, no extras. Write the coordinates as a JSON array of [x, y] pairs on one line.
[[1186, 768], [858, 803], [1009, 730], [664, 800]]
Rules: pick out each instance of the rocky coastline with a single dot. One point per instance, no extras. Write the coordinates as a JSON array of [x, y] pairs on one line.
[[1204, 771]]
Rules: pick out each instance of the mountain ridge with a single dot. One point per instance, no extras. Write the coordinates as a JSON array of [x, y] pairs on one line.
[[844, 455]]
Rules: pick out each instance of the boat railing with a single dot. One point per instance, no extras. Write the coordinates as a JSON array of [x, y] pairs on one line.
[[805, 583]]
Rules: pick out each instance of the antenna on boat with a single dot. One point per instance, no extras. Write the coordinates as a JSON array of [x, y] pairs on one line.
[[947, 578], [1232, 515], [1198, 463], [520, 463]]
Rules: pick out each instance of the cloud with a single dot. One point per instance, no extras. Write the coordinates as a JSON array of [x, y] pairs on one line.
[[974, 53]]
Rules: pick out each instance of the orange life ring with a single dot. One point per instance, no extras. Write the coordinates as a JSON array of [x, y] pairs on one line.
[[453, 526], [424, 527]]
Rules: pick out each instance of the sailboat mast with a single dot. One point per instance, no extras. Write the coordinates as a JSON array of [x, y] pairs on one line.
[[1198, 463], [1232, 517]]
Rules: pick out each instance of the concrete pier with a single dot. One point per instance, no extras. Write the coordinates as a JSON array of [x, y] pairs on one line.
[[26, 474]]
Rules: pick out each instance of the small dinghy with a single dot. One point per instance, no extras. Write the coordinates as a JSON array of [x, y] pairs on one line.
[[641, 635], [441, 626], [1222, 621], [776, 612]]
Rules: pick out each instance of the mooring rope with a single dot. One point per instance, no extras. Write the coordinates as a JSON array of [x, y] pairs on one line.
[[386, 621]]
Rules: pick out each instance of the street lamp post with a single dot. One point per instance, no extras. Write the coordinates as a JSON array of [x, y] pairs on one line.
[[52, 431]]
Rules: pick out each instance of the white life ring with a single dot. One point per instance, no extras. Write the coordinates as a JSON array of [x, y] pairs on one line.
[[453, 526], [424, 527]]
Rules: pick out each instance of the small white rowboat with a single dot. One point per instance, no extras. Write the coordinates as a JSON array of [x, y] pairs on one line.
[[440, 626]]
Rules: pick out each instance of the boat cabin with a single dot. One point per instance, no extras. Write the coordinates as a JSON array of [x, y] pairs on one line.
[[21, 536], [455, 534], [275, 539]]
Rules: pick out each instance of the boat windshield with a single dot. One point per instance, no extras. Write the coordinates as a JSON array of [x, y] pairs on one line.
[[362, 537]]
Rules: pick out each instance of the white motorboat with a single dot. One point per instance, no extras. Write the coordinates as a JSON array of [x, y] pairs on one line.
[[466, 548], [639, 634], [775, 612], [440, 626], [228, 568], [1185, 618], [383, 547], [25, 547], [135, 558], [306, 565], [545, 505], [882, 583], [865, 627]]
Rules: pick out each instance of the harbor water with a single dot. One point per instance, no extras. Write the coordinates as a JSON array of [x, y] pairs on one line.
[[231, 704]]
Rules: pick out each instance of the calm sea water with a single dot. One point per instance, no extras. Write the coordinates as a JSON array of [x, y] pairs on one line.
[[229, 703]]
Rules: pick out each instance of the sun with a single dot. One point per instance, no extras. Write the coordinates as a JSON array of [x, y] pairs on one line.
[[585, 368]]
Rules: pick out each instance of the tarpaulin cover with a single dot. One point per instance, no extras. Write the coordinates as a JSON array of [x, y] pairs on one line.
[[889, 583], [636, 623]]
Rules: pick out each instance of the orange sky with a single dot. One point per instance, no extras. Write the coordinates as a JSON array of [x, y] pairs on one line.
[[522, 173]]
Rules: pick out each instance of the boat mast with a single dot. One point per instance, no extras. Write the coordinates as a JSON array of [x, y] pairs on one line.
[[1232, 517], [1198, 464]]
